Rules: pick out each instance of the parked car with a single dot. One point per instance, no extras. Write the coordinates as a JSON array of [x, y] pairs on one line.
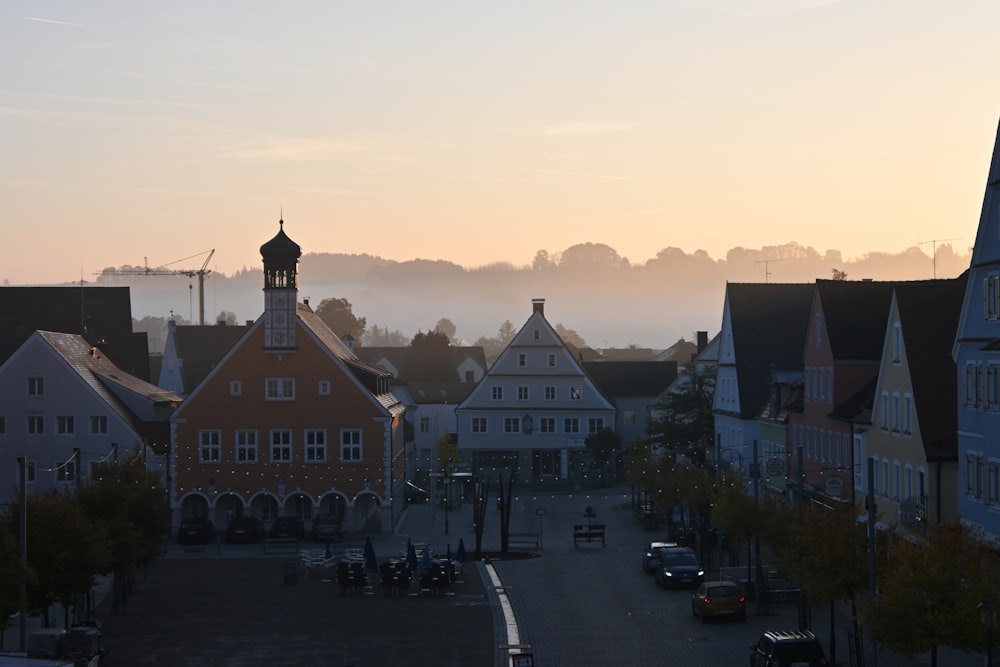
[[414, 494], [716, 599], [196, 530], [679, 567], [244, 530], [326, 527], [287, 527], [651, 557], [792, 648]]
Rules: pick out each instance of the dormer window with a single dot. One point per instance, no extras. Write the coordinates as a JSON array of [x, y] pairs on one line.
[[235, 388]]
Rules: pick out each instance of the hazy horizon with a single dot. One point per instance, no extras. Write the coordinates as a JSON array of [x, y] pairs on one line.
[[486, 132]]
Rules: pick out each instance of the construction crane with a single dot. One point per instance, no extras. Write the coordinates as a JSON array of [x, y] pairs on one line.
[[164, 270], [934, 243]]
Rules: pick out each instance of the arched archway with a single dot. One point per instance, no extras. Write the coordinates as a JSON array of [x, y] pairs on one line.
[[228, 506], [335, 504], [264, 506], [300, 505], [194, 505]]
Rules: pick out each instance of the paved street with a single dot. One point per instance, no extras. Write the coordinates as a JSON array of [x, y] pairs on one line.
[[228, 606]]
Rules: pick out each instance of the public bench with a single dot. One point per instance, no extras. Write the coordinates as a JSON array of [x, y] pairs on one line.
[[524, 540], [589, 533]]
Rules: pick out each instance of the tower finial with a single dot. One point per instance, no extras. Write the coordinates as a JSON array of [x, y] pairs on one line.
[[281, 217]]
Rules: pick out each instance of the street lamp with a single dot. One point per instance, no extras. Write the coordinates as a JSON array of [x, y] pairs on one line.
[[447, 494], [986, 615]]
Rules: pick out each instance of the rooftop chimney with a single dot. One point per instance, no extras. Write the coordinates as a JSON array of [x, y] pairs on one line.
[[702, 340], [538, 306]]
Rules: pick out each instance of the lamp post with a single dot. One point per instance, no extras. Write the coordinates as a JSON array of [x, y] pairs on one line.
[[447, 494], [986, 615]]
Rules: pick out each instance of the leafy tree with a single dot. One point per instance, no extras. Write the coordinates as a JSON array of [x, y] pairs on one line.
[[339, 316], [226, 316], [838, 274], [930, 591], [603, 445], [382, 337], [493, 347], [11, 573], [132, 506], [506, 333], [65, 551], [589, 256], [543, 261], [448, 328], [684, 424], [570, 336], [429, 359]]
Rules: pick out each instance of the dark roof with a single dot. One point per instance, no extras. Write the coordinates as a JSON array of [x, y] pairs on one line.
[[857, 409], [281, 247], [439, 392], [102, 315], [769, 323], [201, 348], [631, 378], [928, 315], [397, 355], [855, 314]]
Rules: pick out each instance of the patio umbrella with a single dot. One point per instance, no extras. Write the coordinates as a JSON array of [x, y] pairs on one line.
[[427, 558], [411, 555], [371, 563], [460, 553]]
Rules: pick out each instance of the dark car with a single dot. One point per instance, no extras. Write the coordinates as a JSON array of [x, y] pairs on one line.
[[196, 530], [792, 648], [719, 599], [287, 527], [414, 494], [679, 567], [244, 530], [326, 527], [651, 557]]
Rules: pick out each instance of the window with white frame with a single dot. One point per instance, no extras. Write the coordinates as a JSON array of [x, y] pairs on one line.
[[550, 393], [324, 387], [65, 470], [279, 389], [281, 445], [425, 424], [875, 478], [991, 297], [547, 425], [479, 424], [897, 343], [315, 445], [552, 361], [350, 445], [522, 393], [511, 424], [246, 446], [993, 482], [235, 388], [859, 455], [575, 393], [29, 472], [595, 424], [971, 383], [496, 393], [98, 424], [896, 413], [908, 482], [571, 425], [896, 480], [908, 414], [819, 329], [209, 446], [36, 425], [829, 384], [885, 411], [885, 478], [536, 334], [992, 387], [522, 359], [36, 385], [971, 473], [65, 425]]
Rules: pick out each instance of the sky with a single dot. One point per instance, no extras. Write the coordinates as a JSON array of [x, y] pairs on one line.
[[482, 132]]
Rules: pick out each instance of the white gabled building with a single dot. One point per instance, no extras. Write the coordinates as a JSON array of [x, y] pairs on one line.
[[532, 411]]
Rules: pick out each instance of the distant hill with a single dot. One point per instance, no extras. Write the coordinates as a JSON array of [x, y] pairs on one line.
[[588, 288]]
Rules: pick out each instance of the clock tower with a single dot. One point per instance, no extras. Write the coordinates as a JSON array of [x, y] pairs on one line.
[[281, 258]]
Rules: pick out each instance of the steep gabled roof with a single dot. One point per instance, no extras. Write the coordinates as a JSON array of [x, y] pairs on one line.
[[397, 355], [620, 379], [855, 314], [110, 383], [199, 348], [928, 316], [858, 407], [769, 323]]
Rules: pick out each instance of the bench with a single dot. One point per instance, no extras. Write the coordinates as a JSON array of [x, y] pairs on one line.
[[589, 533], [524, 540]]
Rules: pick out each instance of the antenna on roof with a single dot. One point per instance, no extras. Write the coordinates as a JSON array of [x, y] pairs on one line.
[[767, 264], [934, 243]]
